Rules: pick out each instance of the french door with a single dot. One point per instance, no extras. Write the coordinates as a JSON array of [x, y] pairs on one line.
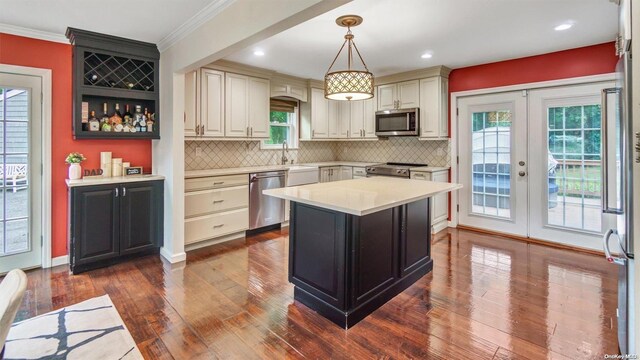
[[530, 163], [20, 176]]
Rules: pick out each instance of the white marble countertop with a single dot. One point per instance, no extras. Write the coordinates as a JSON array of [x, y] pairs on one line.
[[112, 180], [251, 169], [363, 196], [429, 168]]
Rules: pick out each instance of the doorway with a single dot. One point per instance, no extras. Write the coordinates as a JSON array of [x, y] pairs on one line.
[[530, 163], [20, 171]]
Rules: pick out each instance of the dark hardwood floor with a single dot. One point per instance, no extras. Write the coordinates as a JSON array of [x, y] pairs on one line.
[[487, 298]]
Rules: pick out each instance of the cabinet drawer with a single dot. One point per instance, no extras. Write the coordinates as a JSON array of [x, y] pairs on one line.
[[197, 203], [359, 171], [421, 176], [215, 225], [215, 182]]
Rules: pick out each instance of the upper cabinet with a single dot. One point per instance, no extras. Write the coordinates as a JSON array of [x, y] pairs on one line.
[[434, 93], [110, 74], [226, 105], [401, 95], [284, 88]]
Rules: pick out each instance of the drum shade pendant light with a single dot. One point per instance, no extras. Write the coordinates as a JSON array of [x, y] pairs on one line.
[[348, 84]]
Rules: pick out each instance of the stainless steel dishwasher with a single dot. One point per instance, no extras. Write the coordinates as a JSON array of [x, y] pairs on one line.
[[265, 210]]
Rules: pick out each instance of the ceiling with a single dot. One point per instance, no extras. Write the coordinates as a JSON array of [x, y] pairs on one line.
[[145, 20], [395, 33]]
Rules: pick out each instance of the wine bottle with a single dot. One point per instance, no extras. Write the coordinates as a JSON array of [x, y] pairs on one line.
[[128, 118], [138, 118], [104, 121], [93, 124], [116, 118]]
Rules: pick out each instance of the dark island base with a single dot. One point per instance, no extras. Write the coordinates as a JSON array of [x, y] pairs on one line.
[[345, 266]]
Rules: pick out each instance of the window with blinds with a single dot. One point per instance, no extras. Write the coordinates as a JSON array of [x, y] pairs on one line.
[[283, 124]]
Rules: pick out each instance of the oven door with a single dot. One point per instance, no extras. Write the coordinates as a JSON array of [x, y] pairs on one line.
[[397, 122]]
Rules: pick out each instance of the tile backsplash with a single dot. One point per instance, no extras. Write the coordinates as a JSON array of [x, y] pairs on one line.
[[224, 154]]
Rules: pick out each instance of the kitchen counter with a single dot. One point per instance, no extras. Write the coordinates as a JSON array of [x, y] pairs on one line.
[[251, 169], [363, 196], [429, 168], [112, 180]]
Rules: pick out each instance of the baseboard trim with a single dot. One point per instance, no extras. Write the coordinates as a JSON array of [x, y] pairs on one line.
[[60, 260], [218, 240], [437, 227], [532, 240], [173, 258]]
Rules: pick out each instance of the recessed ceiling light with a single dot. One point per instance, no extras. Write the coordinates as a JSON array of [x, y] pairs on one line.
[[562, 27], [427, 55], [258, 53]]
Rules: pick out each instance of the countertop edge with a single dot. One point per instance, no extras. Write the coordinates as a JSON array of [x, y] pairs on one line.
[[193, 174], [112, 180]]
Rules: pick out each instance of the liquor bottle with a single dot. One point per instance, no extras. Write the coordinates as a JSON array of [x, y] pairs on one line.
[[143, 123], [93, 124], [149, 121], [116, 118], [105, 117], [128, 118], [138, 118]]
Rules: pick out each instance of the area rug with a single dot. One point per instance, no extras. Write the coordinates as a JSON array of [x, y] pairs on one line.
[[91, 329]]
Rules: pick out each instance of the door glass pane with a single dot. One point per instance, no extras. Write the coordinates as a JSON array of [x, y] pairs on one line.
[[573, 178], [491, 166], [14, 153]]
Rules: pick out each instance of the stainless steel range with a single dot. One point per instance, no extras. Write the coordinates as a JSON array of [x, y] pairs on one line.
[[391, 169]]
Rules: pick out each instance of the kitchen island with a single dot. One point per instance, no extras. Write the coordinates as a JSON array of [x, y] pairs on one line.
[[355, 244]]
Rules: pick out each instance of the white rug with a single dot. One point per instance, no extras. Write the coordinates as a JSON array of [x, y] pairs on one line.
[[91, 329]]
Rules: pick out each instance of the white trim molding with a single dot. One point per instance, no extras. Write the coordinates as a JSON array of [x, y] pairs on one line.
[[201, 17], [33, 33], [173, 258], [453, 117], [60, 260], [45, 74]]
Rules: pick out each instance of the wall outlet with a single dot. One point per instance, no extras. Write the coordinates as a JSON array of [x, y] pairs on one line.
[[198, 151]]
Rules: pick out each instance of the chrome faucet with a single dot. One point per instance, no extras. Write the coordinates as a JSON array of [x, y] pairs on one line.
[[285, 147]]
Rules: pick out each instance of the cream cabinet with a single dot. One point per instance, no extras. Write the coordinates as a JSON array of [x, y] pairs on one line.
[[246, 106], [204, 104], [330, 173], [346, 172], [215, 207], [362, 120], [319, 115], [359, 172], [434, 94], [289, 90], [401, 95], [439, 203], [339, 117]]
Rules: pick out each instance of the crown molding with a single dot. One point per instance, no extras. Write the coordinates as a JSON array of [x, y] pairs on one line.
[[33, 33], [207, 13], [442, 71]]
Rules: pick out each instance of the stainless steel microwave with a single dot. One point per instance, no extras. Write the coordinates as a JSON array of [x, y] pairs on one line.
[[398, 122]]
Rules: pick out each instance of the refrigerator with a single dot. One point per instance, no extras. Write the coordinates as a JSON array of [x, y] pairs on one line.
[[618, 147]]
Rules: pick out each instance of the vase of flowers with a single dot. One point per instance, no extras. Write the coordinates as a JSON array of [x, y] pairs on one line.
[[75, 170]]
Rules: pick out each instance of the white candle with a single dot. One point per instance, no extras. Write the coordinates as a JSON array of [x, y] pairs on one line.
[[117, 167]]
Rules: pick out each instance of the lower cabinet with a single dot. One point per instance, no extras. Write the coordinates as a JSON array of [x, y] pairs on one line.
[[110, 222], [439, 203], [329, 174]]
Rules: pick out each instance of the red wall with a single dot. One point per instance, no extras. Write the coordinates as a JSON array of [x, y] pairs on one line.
[[16, 50]]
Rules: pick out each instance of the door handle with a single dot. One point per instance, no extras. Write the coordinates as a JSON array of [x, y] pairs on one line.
[[251, 132], [607, 251], [218, 183], [605, 154], [116, 192], [218, 226], [124, 191], [217, 201], [522, 173]]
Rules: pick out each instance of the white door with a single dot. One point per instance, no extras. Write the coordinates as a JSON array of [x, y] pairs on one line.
[[21, 180], [565, 165], [493, 144], [191, 123], [212, 103], [236, 119], [530, 163], [259, 98]]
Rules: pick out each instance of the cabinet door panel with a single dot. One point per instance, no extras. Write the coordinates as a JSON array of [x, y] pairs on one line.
[[440, 206], [319, 114], [259, 97], [346, 173], [96, 224], [236, 118], [215, 225], [212, 103], [387, 97], [415, 241], [429, 108], [333, 116], [139, 222], [198, 203], [191, 118], [369, 119], [325, 175], [357, 118], [409, 94]]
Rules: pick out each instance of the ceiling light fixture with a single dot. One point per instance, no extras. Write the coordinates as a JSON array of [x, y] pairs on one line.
[[258, 53], [561, 27], [427, 55], [348, 84]]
